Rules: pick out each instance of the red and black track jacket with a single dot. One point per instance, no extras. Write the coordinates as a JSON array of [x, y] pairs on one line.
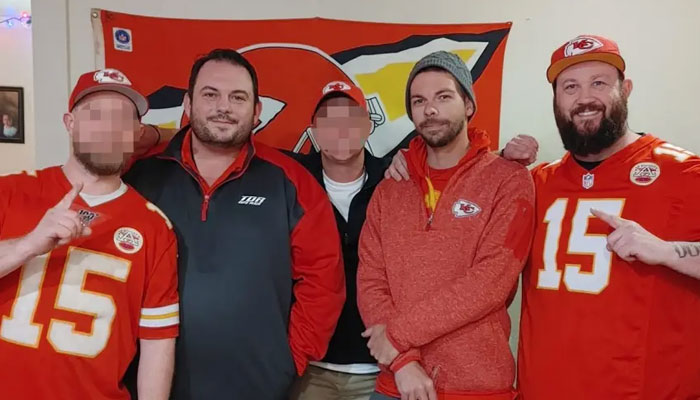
[[260, 269]]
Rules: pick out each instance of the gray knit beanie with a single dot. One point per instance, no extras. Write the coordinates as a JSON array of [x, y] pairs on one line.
[[451, 63]]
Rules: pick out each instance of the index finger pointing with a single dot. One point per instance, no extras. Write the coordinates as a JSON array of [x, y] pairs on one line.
[[612, 220], [70, 197]]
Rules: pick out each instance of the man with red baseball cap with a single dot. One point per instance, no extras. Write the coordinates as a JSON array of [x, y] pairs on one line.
[[348, 172], [87, 265], [610, 295]]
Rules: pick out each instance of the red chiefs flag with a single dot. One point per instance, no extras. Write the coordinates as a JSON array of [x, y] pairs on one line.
[[295, 59]]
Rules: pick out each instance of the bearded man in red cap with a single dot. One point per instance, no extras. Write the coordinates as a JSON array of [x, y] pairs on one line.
[[611, 291], [88, 267]]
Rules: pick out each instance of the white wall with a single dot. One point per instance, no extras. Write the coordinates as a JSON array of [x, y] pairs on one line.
[[658, 40], [16, 70]]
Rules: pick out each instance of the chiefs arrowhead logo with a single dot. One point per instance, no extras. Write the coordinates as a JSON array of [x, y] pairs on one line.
[[336, 86], [111, 76], [464, 208], [580, 45]]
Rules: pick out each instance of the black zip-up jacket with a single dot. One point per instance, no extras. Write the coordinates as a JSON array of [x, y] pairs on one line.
[[347, 346], [260, 273]]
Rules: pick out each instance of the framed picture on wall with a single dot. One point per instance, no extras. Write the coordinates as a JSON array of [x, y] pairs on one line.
[[12, 113]]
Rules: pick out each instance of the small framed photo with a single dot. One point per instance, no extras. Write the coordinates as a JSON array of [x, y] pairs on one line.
[[12, 113]]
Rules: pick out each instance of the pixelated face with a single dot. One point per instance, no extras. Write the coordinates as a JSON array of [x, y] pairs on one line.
[[222, 109], [341, 128], [438, 111], [103, 128]]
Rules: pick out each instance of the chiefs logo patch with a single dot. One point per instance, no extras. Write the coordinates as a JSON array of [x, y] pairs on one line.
[[128, 240], [581, 45], [464, 208], [336, 86], [111, 76], [644, 174]]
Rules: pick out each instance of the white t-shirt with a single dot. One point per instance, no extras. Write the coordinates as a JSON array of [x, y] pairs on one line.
[[341, 194], [95, 200], [355, 369]]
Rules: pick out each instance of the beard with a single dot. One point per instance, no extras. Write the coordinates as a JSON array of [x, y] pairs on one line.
[[241, 130], [450, 130], [97, 168], [592, 137]]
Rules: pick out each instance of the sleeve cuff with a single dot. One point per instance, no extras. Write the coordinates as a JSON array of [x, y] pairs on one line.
[[403, 359]]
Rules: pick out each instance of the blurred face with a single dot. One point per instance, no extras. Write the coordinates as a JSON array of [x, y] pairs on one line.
[[103, 127], [222, 109], [341, 128], [590, 107], [439, 112], [6, 120]]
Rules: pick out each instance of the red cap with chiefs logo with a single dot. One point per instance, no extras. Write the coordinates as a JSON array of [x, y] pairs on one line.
[[584, 48], [346, 88], [107, 80]]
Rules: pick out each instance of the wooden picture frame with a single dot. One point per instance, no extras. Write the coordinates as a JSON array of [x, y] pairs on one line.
[[12, 114]]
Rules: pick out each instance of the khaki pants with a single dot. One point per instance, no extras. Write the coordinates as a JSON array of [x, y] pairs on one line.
[[322, 384]]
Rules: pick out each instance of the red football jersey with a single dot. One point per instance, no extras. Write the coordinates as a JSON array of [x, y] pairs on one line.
[[594, 326], [71, 318]]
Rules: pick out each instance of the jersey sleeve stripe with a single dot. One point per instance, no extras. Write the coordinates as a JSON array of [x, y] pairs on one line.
[[164, 316], [159, 311], [159, 323]]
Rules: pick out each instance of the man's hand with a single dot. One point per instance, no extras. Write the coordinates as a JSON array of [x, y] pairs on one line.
[[379, 345], [414, 384], [631, 242], [522, 149], [59, 226], [398, 170]]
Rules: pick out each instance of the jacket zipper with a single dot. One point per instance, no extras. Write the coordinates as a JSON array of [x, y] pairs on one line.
[[429, 223], [205, 207], [207, 194]]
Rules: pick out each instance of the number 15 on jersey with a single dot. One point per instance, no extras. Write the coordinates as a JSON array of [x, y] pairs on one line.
[[579, 242]]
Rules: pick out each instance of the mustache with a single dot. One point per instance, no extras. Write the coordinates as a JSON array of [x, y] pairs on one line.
[[588, 107], [433, 121], [222, 118]]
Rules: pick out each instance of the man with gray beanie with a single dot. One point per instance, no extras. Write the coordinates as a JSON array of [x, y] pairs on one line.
[[441, 252]]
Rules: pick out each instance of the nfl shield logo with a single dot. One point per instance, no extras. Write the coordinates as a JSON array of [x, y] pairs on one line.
[[588, 181]]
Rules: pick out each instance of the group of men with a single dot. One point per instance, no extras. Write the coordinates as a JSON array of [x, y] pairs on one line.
[[313, 277]]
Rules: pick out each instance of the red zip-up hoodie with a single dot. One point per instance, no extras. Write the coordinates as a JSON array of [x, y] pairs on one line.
[[440, 280]]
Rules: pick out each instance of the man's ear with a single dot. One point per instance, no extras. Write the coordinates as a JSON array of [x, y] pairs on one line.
[[469, 108]]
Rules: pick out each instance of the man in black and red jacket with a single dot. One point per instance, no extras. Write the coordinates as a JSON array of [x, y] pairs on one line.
[[260, 266], [341, 125]]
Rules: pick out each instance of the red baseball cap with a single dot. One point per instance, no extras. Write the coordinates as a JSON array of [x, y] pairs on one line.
[[107, 80], [346, 88], [584, 48]]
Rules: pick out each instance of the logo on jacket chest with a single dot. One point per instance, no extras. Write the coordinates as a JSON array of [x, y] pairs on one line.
[[251, 200], [464, 208]]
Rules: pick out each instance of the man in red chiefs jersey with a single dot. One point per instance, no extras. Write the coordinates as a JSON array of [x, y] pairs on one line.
[[610, 306], [87, 265]]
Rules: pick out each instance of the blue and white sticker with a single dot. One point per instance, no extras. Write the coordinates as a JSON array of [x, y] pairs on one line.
[[122, 39]]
